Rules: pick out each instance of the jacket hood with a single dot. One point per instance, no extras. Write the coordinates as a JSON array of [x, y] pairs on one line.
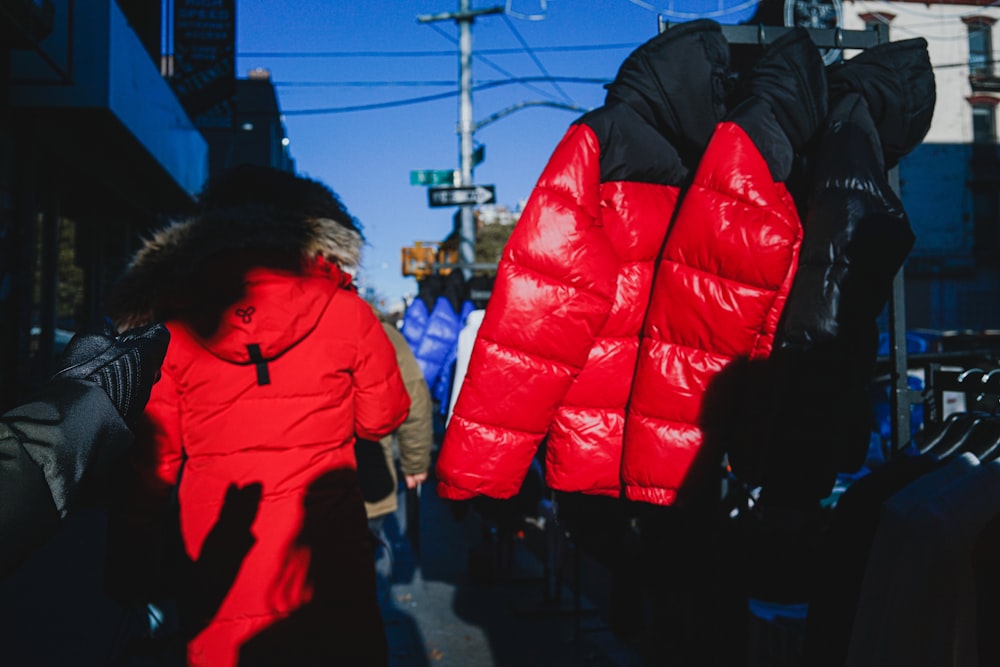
[[897, 81], [198, 265], [677, 81]]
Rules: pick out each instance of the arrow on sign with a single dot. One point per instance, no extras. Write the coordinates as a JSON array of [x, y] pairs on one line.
[[461, 195]]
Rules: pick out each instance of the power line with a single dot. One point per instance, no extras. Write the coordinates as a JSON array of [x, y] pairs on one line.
[[422, 99], [425, 54], [985, 63], [481, 85], [537, 61], [362, 84], [445, 95], [478, 56], [489, 83], [370, 107]]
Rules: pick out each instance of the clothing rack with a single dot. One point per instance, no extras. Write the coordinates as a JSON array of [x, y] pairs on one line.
[[901, 397], [824, 38]]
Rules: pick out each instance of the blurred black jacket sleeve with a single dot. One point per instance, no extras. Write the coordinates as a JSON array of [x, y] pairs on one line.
[[50, 449]]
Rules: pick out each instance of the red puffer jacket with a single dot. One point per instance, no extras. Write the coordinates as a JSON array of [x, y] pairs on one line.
[[275, 366], [603, 331], [722, 282], [330, 374]]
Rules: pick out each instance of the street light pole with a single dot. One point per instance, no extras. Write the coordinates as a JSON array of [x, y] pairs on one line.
[[464, 17]]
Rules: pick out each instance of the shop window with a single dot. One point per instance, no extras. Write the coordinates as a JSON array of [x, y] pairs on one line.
[[984, 123], [874, 20], [67, 282], [980, 45]]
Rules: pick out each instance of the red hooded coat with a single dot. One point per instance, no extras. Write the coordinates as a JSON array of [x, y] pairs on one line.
[[271, 398]]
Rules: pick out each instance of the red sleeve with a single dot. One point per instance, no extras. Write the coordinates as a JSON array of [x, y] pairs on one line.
[[554, 289]]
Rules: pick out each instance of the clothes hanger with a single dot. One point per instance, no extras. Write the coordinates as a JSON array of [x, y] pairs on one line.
[[985, 441], [955, 437], [977, 430], [988, 398]]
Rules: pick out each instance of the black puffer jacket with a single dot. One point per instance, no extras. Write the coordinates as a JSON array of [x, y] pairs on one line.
[[812, 417]]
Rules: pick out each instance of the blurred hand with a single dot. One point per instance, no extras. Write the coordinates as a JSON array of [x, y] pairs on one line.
[[413, 481], [124, 365]]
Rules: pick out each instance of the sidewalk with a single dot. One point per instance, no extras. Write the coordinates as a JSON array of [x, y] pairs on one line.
[[438, 613]]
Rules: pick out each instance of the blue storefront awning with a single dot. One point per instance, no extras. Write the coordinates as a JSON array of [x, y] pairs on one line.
[[97, 91]]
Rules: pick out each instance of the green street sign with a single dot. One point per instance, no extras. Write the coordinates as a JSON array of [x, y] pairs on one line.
[[433, 177]]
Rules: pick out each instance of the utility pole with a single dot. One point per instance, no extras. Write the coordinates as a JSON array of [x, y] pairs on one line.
[[464, 17]]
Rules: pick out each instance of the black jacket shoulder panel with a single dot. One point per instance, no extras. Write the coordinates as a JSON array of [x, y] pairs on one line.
[[675, 86], [633, 150]]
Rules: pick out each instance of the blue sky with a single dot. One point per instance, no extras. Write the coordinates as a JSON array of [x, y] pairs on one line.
[[366, 156]]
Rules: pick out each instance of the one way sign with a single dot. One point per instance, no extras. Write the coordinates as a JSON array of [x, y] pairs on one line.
[[461, 194]]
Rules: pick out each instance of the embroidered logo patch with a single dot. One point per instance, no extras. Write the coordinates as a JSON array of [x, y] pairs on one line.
[[246, 314]]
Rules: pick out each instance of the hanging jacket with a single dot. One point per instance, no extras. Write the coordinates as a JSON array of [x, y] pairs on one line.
[[274, 367], [725, 272], [555, 353], [437, 344], [415, 317], [415, 322], [856, 237], [586, 271]]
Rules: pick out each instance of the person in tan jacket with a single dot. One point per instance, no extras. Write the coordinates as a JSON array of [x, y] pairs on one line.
[[376, 461]]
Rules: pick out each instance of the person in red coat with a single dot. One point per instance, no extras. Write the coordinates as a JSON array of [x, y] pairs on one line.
[[275, 367]]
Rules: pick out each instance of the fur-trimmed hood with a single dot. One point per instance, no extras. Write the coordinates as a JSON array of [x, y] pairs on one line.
[[198, 264]]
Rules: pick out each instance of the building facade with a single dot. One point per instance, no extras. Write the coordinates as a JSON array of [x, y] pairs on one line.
[[951, 183], [94, 148], [109, 127]]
